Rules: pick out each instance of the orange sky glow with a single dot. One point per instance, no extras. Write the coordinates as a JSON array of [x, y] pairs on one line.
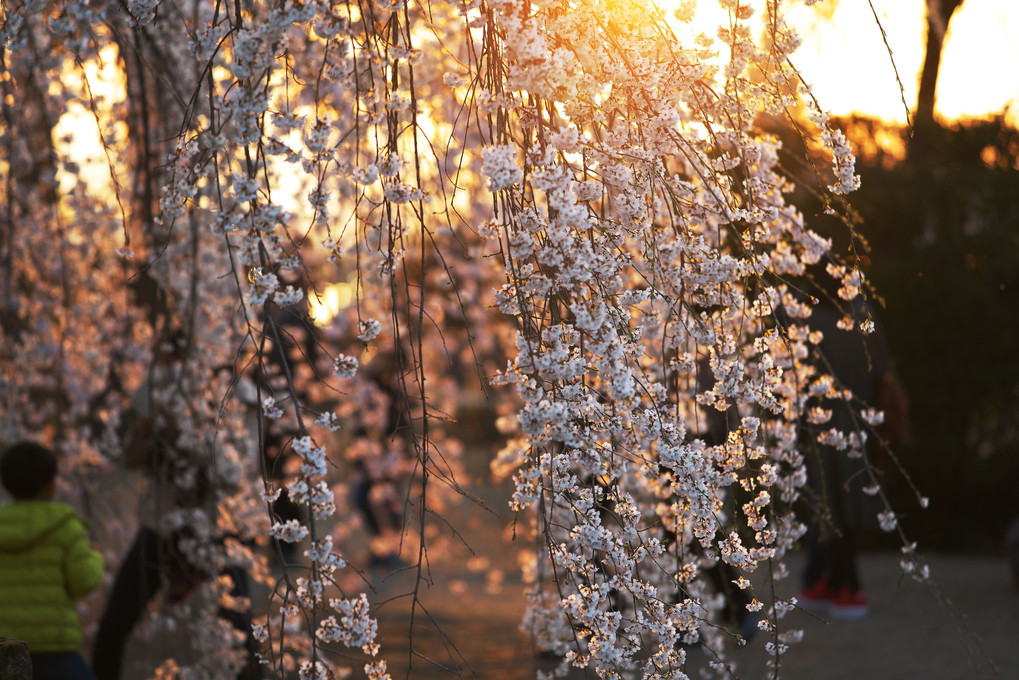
[[847, 63], [844, 57]]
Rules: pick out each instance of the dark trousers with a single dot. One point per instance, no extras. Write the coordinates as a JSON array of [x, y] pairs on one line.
[[151, 556], [60, 666], [832, 558], [136, 584], [831, 550]]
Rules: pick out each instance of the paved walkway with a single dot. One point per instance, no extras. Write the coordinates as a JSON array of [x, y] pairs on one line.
[[968, 628], [965, 626]]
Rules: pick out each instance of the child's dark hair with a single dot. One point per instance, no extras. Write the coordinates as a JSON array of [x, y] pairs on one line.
[[26, 468]]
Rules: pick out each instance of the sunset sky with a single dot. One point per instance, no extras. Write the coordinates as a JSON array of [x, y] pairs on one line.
[[842, 56], [846, 61]]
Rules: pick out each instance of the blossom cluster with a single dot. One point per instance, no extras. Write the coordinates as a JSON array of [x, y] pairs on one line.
[[663, 368], [667, 380]]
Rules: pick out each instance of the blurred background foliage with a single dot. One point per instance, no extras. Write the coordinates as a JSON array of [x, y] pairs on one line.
[[939, 213]]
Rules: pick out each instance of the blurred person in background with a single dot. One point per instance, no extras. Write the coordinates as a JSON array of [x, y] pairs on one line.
[[46, 563], [861, 363]]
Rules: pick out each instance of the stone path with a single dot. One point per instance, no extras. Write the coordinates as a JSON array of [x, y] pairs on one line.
[[467, 623], [964, 627]]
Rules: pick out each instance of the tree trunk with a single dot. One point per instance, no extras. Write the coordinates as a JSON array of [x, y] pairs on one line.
[[939, 13]]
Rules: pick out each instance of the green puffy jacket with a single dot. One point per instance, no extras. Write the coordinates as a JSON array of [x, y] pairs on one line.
[[45, 564]]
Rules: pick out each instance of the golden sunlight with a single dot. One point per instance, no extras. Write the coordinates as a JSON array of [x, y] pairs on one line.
[[692, 17], [324, 306], [845, 60], [77, 133]]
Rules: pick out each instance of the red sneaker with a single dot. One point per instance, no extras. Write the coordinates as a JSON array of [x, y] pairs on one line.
[[849, 605], [818, 597]]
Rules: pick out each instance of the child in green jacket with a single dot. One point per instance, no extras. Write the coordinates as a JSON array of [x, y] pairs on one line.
[[46, 563]]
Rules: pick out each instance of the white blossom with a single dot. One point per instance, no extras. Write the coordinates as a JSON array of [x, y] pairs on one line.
[[345, 366]]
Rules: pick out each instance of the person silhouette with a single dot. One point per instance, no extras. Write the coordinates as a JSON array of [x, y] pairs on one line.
[[858, 362]]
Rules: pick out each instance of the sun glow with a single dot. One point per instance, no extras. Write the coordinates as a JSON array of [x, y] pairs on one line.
[[845, 59], [77, 135], [690, 18], [325, 305]]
